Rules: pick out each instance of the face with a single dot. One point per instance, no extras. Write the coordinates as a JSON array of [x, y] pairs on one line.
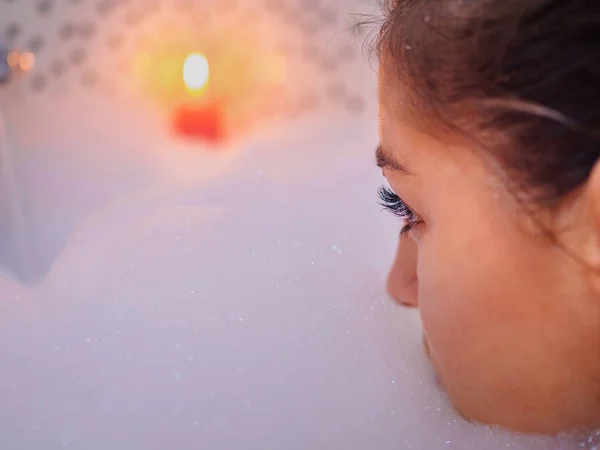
[[512, 327]]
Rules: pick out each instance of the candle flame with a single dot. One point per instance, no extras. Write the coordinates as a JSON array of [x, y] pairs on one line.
[[196, 71]]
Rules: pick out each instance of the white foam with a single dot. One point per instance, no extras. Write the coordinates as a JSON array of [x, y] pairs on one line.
[[246, 312]]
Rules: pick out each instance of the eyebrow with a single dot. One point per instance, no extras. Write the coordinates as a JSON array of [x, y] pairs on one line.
[[384, 159]]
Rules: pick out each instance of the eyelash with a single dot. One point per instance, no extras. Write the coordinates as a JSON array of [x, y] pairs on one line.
[[394, 204]]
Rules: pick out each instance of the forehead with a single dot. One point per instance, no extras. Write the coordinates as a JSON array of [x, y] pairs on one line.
[[397, 104], [426, 147], [395, 116], [391, 114], [400, 107], [388, 95], [401, 142], [411, 139]]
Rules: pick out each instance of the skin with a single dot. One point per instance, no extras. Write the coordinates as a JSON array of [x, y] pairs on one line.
[[511, 321]]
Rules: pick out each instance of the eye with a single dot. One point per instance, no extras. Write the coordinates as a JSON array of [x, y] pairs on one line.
[[394, 204]]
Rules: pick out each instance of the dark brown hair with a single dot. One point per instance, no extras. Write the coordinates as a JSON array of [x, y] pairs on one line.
[[523, 76]]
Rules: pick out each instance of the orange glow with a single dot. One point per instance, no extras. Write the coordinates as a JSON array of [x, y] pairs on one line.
[[160, 75], [142, 65], [169, 70], [215, 79], [13, 59], [26, 61]]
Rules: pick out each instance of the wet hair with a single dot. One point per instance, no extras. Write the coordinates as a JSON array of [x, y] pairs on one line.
[[522, 77]]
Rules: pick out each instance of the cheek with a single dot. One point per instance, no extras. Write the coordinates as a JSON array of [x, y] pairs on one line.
[[480, 314], [500, 336], [453, 306], [470, 282], [468, 299]]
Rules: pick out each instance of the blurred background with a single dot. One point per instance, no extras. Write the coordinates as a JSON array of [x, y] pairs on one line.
[[192, 251]]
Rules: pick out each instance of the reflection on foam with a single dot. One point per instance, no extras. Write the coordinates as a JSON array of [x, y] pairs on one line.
[[16, 249]]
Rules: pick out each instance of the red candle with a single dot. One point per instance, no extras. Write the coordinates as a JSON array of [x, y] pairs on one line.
[[204, 122]]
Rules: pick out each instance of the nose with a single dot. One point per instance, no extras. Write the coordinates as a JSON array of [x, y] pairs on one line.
[[402, 282]]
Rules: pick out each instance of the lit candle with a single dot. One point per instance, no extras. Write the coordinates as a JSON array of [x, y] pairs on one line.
[[199, 118]]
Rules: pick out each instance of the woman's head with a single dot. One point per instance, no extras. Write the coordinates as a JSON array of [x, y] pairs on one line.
[[490, 135]]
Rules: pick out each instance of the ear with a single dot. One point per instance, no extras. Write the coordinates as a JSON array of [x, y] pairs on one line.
[[591, 230]]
